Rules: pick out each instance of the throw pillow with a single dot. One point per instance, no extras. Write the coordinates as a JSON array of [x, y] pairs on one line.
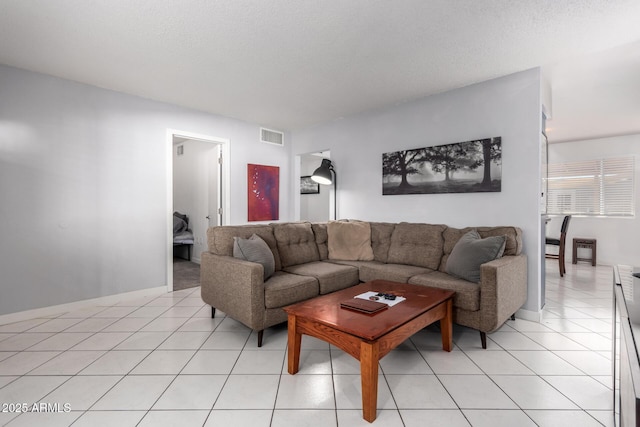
[[179, 222], [470, 252], [349, 241], [255, 249]]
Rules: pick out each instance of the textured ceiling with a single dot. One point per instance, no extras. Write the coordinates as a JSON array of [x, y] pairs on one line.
[[289, 64], [596, 95]]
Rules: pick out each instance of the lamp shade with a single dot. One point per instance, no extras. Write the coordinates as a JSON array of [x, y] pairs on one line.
[[322, 175]]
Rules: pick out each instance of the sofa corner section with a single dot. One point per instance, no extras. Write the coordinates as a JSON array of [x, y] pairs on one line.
[[228, 283], [503, 290]]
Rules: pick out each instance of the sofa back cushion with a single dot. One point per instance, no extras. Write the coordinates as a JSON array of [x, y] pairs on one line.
[[320, 233], [381, 240], [513, 244], [296, 243], [220, 239], [417, 244]]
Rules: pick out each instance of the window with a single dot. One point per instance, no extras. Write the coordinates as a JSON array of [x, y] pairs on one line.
[[602, 187]]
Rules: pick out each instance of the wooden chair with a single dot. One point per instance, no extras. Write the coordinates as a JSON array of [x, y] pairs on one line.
[[560, 243]]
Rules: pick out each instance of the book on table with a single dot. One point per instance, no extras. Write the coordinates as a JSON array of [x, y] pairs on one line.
[[363, 306]]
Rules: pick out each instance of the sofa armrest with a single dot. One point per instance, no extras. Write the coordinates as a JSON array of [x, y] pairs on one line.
[[503, 290], [234, 286]]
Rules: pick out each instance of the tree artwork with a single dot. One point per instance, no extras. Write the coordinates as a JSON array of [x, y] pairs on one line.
[[491, 152], [470, 166], [401, 163]]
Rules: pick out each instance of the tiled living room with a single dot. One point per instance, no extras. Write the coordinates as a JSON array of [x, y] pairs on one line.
[[162, 361], [483, 115]]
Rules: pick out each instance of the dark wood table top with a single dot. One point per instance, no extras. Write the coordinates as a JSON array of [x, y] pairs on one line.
[[326, 309]]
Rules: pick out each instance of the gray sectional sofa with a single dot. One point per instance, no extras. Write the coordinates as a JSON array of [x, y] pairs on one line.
[[308, 263]]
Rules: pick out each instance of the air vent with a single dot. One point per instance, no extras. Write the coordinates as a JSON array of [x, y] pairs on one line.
[[271, 136]]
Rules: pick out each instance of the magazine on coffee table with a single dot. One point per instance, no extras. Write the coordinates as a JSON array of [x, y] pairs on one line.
[[372, 295]]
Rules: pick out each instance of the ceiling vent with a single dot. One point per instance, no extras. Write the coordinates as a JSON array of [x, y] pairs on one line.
[[271, 136]]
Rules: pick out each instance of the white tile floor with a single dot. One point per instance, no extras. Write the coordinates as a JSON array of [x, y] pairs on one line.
[[163, 362]]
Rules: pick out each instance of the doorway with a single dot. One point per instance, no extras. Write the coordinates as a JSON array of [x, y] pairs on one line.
[[315, 207], [198, 194]]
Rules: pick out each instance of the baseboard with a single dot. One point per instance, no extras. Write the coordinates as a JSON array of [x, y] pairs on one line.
[[533, 316], [78, 305]]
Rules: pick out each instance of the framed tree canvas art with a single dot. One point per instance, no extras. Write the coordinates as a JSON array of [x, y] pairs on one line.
[[462, 167]]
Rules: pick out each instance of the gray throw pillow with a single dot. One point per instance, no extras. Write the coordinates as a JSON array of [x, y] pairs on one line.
[[178, 225], [471, 252], [255, 249]]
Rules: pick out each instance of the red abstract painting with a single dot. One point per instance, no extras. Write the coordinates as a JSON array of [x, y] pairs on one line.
[[263, 192]]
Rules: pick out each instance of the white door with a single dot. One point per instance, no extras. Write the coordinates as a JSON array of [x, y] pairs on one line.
[[214, 195]]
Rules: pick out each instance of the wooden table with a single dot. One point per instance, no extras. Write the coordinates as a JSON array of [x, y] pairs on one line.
[[582, 242], [369, 338]]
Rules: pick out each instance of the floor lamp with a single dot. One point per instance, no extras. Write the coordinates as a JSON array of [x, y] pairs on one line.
[[322, 175]]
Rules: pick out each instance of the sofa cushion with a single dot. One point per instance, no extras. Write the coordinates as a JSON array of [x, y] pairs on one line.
[[220, 239], [513, 244], [394, 272], [330, 276], [349, 241], [381, 233], [417, 244], [283, 289], [255, 249], [320, 233], [356, 264], [296, 243], [180, 222], [467, 295], [471, 252]]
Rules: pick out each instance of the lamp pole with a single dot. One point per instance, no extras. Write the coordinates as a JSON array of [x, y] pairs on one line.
[[335, 193]]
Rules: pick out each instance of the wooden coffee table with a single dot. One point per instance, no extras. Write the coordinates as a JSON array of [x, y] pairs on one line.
[[366, 337]]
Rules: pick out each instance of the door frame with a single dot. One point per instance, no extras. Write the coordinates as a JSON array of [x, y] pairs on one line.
[[224, 183]]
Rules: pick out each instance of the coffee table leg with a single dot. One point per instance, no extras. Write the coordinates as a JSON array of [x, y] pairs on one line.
[[369, 357], [295, 339], [446, 327]]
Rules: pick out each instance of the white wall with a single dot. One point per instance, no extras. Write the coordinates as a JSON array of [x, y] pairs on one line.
[[617, 237], [83, 187], [509, 107], [314, 207]]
